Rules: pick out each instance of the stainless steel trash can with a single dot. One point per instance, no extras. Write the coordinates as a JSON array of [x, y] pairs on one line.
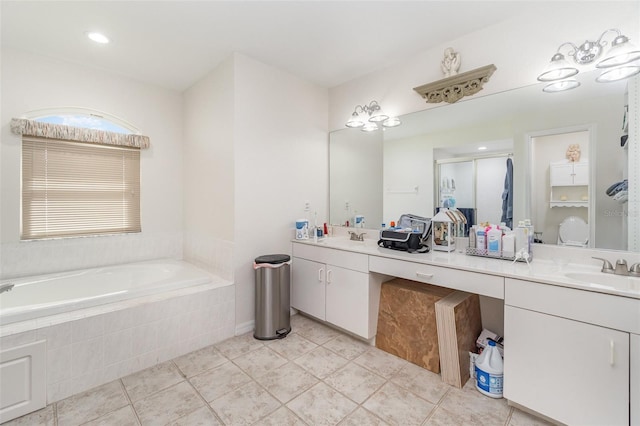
[[273, 318]]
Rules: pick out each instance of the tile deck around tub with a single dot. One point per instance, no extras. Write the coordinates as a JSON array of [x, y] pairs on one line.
[[315, 376]]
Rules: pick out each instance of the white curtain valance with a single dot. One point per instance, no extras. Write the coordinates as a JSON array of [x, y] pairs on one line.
[[23, 126]]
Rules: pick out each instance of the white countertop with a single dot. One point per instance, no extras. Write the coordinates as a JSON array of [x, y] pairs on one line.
[[554, 272]]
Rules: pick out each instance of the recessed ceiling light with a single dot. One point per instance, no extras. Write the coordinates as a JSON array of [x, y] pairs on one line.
[[482, 148], [97, 37]]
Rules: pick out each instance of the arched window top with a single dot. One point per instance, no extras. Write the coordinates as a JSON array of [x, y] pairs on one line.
[[82, 117], [79, 125]]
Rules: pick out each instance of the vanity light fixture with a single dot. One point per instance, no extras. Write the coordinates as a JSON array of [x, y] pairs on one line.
[[617, 64], [97, 37], [561, 85], [367, 118]]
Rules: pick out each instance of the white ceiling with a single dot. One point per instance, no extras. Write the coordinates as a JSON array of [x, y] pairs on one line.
[[175, 43]]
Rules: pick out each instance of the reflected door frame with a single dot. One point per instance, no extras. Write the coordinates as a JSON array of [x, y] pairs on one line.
[[531, 168], [473, 160]]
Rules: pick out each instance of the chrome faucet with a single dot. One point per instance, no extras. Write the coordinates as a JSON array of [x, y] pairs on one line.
[[621, 267], [607, 267], [6, 287], [354, 236]]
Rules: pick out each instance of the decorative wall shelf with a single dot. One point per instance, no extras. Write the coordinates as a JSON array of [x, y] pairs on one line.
[[454, 88], [569, 203]]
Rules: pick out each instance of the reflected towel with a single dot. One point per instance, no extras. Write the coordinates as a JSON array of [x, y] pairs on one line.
[[507, 196]]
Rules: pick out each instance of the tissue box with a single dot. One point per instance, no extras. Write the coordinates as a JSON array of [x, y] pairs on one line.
[[472, 364], [481, 342]]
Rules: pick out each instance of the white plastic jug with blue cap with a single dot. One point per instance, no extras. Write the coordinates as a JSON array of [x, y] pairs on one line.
[[489, 371]]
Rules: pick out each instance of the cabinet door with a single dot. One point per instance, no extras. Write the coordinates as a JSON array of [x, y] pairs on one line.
[[635, 379], [581, 174], [561, 174], [573, 372], [348, 300], [307, 287]]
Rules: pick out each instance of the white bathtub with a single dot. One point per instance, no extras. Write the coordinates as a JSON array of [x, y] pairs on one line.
[[43, 295], [82, 329]]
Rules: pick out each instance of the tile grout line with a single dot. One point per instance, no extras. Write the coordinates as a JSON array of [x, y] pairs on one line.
[[352, 361], [157, 391], [206, 404], [126, 395], [388, 381], [292, 361], [253, 378], [55, 413], [282, 404], [508, 421], [319, 380], [436, 407]]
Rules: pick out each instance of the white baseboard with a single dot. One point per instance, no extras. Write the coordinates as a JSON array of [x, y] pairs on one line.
[[245, 327]]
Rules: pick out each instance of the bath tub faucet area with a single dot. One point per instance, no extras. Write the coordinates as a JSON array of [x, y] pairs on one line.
[[6, 287]]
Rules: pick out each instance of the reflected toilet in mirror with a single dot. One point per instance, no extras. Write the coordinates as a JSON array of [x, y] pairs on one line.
[[573, 231]]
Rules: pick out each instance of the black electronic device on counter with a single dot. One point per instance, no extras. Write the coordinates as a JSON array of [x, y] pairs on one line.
[[411, 234]]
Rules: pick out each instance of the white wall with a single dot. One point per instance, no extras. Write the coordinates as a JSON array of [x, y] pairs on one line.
[[209, 217], [32, 82], [255, 150], [402, 169], [519, 47], [490, 176], [280, 161], [358, 183], [459, 178]]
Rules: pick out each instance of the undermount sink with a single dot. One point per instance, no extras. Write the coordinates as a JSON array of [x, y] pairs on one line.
[[346, 243], [619, 282]]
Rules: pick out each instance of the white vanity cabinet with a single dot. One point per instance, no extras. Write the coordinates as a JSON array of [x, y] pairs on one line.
[[308, 280], [567, 352], [472, 282], [635, 379], [335, 286], [569, 184], [569, 173]]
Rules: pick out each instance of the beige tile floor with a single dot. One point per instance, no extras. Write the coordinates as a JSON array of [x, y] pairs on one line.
[[315, 376]]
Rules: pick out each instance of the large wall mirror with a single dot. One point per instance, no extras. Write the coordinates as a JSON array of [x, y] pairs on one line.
[[384, 174]]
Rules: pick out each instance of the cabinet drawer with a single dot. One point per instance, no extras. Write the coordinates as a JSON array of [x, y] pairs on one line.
[[483, 284], [620, 313], [344, 259]]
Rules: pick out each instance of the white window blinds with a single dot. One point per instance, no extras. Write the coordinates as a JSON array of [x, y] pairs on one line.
[[76, 189]]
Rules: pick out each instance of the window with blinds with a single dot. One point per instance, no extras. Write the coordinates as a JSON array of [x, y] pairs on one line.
[[78, 189]]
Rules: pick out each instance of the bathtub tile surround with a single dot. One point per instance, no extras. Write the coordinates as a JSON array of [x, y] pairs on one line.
[[212, 254], [93, 346], [214, 386], [27, 258]]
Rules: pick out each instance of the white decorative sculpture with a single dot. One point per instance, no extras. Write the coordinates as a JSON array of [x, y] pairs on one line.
[[451, 62], [573, 153]]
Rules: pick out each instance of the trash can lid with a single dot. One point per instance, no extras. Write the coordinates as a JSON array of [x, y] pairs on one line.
[[273, 259]]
